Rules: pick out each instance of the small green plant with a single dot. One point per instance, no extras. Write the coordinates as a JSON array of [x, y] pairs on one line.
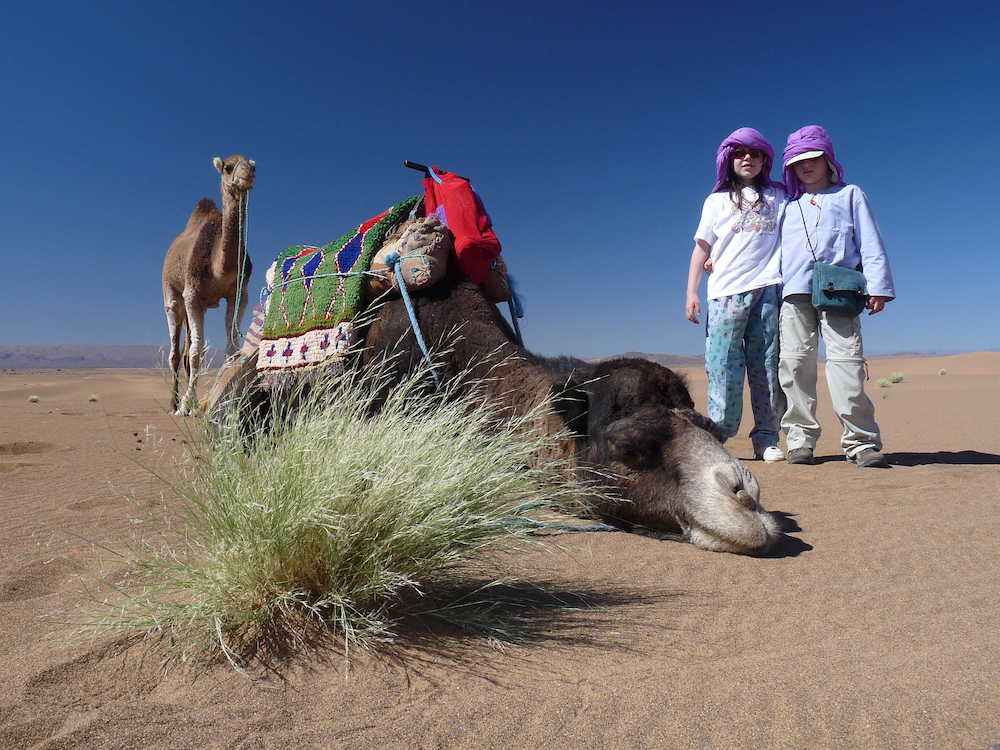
[[92, 399], [896, 377], [942, 372], [883, 383], [357, 499], [34, 399]]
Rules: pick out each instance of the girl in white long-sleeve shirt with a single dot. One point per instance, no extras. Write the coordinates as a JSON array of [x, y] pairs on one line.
[[832, 220]]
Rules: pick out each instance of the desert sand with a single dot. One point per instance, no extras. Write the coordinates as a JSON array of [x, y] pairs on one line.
[[875, 624]]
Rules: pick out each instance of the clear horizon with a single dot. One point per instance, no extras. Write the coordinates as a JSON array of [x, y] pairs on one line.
[[589, 132]]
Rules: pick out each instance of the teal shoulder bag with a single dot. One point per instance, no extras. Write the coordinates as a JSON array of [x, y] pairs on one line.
[[835, 289]]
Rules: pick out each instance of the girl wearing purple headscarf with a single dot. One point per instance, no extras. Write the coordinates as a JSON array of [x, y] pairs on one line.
[[737, 241], [832, 220]]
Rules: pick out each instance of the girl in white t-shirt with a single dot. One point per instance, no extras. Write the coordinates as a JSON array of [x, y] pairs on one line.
[[737, 242]]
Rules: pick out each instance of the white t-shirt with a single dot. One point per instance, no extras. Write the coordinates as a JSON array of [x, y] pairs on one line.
[[744, 241]]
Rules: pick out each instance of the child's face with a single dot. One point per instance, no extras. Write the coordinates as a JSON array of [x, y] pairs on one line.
[[747, 163], [812, 171]]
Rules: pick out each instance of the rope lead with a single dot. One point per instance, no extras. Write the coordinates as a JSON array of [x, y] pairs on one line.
[[241, 259], [394, 261]]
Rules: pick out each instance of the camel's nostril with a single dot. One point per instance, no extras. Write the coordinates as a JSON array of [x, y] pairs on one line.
[[743, 498]]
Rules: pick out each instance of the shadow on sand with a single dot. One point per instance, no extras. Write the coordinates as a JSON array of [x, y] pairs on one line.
[[787, 546], [463, 624], [955, 458]]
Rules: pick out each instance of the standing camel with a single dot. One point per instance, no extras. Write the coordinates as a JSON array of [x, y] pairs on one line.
[[208, 262]]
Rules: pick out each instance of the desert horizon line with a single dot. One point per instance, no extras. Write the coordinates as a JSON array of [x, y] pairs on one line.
[[152, 356]]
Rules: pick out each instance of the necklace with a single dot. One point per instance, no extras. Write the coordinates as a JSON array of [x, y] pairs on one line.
[[819, 208], [819, 213]]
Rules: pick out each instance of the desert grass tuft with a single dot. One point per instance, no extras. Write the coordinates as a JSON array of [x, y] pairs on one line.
[[342, 506], [34, 399], [896, 377], [92, 399], [883, 382], [942, 372]]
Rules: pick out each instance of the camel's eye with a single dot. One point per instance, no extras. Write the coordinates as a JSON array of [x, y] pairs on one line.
[[229, 167], [637, 441], [632, 447]]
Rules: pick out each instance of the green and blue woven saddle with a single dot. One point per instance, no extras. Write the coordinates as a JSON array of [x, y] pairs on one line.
[[315, 293]]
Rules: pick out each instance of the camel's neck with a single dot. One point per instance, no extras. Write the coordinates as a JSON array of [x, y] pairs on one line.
[[531, 386], [230, 250]]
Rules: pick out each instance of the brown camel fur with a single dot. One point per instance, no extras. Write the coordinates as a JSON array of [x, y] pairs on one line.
[[629, 418], [206, 263]]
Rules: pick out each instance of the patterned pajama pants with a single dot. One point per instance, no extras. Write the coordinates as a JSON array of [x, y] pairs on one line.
[[742, 338]]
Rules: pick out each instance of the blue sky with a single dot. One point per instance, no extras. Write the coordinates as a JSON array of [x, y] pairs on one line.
[[589, 129]]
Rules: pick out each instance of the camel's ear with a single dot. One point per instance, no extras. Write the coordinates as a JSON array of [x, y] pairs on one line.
[[702, 422], [572, 404], [217, 162]]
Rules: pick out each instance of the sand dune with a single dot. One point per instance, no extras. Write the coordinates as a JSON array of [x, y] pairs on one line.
[[876, 624]]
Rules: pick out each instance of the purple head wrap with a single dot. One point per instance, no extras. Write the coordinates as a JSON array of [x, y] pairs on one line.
[[803, 140], [748, 138]]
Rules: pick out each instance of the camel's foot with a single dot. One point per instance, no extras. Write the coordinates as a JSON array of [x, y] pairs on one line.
[[188, 406]]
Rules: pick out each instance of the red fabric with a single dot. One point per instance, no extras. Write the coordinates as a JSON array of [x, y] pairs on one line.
[[372, 222], [475, 243]]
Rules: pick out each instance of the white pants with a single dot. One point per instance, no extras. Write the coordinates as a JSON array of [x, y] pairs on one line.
[[800, 325]]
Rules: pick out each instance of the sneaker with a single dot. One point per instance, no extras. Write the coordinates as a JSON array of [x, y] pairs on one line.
[[771, 454], [869, 458], [800, 456]]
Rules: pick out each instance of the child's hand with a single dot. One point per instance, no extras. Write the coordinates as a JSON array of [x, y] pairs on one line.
[[876, 304], [708, 266], [692, 308]]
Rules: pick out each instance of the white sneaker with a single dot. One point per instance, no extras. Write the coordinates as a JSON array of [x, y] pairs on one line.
[[771, 454]]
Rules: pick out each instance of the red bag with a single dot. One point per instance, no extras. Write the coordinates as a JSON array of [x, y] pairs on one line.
[[475, 243]]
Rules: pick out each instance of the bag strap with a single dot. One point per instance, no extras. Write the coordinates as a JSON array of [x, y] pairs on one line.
[[798, 202]]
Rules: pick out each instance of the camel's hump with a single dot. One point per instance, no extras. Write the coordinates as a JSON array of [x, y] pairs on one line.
[[205, 206], [205, 210]]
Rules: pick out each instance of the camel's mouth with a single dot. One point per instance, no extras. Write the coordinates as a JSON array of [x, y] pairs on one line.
[[754, 533], [723, 511]]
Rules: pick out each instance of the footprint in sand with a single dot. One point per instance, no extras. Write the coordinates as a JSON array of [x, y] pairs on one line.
[[100, 676], [7, 468], [35, 580], [24, 448], [92, 502], [16, 449], [103, 676]]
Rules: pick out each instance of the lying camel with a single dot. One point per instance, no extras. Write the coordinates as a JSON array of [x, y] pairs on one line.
[[632, 418]]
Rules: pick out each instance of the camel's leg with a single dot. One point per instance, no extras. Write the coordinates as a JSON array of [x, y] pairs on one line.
[[233, 336], [175, 321], [185, 358], [196, 343]]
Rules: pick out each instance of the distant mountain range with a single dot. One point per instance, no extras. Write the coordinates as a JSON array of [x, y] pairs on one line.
[[667, 360], [71, 357]]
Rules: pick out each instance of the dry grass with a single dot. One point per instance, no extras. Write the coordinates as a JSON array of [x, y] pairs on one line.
[[342, 511]]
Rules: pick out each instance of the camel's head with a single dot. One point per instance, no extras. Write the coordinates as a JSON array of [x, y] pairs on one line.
[[237, 172], [637, 419]]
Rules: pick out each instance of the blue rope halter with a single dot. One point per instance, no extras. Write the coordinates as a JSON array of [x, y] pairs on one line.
[[394, 261]]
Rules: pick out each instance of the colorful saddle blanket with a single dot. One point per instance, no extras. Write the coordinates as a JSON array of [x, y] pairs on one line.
[[316, 292]]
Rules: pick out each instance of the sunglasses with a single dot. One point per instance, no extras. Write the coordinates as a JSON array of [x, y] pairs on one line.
[[739, 152]]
